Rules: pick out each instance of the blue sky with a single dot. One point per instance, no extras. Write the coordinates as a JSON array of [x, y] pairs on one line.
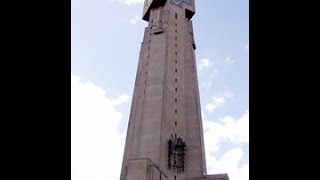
[[106, 37]]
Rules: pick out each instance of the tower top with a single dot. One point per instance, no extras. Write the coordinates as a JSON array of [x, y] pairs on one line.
[[187, 5]]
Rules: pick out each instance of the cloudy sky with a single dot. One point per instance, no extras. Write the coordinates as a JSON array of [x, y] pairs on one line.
[[106, 38]]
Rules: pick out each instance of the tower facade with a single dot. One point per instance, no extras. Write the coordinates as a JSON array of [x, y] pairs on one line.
[[165, 137]]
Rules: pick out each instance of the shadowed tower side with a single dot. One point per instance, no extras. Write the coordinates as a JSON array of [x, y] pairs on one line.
[[165, 136]]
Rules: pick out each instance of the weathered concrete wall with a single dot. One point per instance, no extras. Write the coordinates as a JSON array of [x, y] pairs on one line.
[[165, 100]]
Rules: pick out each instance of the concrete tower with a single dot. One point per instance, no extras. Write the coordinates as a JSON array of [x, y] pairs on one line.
[[165, 137]]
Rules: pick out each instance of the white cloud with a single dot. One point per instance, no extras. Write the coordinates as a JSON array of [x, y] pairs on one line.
[[96, 145], [228, 129], [204, 63], [229, 163], [129, 2], [121, 99], [217, 101], [228, 60], [212, 76], [134, 20]]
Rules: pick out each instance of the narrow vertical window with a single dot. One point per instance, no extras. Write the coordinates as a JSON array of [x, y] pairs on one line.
[[175, 123], [176, 70], [176, 15], [176, 45], [176, 61], [176, 111], [176, 80], [176, 89], [176, 100], [176, 53], [176, 24], [176, 31], [176, 38]]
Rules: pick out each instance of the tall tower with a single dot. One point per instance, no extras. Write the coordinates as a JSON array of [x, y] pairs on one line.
[[165, 137]]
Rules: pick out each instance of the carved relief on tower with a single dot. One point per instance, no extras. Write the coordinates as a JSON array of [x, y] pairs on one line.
[[159, 20], [176, 154]]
